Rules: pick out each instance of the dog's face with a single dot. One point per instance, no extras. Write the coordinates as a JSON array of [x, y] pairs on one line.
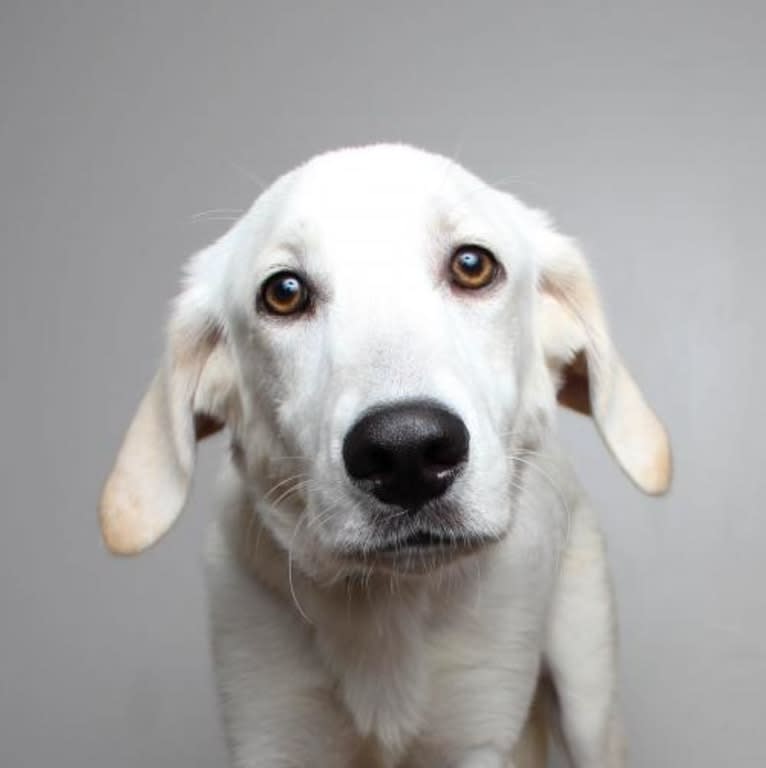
[[382, 333], [379, 327]]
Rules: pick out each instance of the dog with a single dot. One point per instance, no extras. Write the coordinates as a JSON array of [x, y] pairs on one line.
[[406, 572]]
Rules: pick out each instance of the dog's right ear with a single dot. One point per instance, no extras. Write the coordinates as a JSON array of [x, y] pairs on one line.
[[192, 395]]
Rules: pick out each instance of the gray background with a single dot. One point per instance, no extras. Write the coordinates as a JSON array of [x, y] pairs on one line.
[[123, 125]]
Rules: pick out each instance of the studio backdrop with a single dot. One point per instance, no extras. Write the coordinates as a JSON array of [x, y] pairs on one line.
[[132, 134]]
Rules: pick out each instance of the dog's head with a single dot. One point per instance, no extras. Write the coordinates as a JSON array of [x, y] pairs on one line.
[[382, 333]]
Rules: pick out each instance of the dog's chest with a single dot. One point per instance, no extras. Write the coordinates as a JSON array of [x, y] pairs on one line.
[[412, 675], [379, 662]]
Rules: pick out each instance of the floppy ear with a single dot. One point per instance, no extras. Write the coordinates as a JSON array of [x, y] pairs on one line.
[[589, 375], [190, 397]]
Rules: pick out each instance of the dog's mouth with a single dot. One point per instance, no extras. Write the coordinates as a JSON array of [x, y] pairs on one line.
[[424, 540], [420, 550]]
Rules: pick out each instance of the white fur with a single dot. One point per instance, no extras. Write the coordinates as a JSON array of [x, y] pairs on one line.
[[327, 661]]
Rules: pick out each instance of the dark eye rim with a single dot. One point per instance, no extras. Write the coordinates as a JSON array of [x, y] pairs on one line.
[[494, 276], [263, 305]]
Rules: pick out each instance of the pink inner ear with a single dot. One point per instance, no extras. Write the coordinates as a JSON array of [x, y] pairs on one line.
[[205, 425], [574, 392]]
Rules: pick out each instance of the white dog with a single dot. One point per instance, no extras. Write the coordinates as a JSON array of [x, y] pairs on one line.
[[405, 557]]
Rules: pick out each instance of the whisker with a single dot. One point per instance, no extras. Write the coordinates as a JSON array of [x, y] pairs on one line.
[[283, 482], [324, 516], [249, 175], [230, 213], [292, 489], [557, 491], [254, 513], [290, 579], [224, 219]]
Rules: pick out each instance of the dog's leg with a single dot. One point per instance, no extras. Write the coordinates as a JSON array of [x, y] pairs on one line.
[[581, 651], [530, 751]]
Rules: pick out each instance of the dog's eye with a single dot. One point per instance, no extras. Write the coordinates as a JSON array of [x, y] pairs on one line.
[[284, 293], [473, 267]]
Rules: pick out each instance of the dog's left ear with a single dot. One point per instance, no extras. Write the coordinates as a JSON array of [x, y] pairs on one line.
[[588, 372], [191, 396]]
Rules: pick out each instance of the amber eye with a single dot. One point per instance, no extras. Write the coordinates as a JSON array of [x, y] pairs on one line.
[[285, 294], [473, 267]]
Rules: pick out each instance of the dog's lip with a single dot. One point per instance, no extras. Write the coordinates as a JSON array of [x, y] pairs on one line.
[[422, 539], [423, 542]]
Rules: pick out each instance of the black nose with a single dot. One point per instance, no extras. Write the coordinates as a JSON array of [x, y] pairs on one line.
[[406, 454]]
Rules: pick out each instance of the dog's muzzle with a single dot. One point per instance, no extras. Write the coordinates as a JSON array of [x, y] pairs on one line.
[[406, 454]]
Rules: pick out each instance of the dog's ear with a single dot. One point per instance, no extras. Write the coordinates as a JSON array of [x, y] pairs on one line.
[[191, 396], [588, 372]]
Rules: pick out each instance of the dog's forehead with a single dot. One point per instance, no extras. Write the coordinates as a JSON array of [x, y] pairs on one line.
[[377, 194]]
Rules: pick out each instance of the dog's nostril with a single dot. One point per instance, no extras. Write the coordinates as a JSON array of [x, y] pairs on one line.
[[406, 454], [443, 454], [379, 464]]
